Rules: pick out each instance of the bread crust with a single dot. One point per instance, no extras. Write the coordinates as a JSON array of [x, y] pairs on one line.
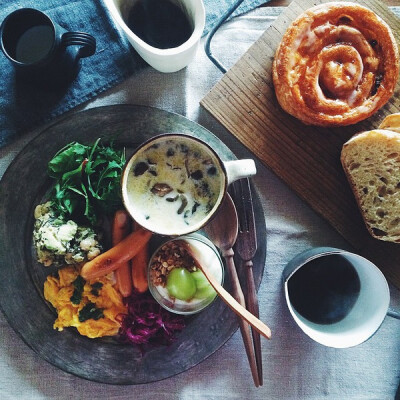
[[391, 123], [336, 65], [371, 162]]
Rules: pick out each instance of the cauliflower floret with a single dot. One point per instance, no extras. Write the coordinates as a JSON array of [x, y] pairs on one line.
[[42, 209], [94, 252], [88, 243], [59, 241]]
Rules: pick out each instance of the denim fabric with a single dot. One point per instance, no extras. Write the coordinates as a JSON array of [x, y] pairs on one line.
[[24, 107]]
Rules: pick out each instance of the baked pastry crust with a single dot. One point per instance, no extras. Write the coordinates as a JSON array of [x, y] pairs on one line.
[[337, 64]]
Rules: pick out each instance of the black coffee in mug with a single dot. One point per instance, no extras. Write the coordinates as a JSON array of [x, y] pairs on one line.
[[337, 298], [42, 51], [163, 24], [34, 44], [325, 289]]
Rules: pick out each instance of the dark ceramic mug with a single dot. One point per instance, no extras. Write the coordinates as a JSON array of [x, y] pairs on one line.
[[41, 50]]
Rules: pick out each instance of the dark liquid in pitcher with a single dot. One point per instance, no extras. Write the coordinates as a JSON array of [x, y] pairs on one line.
[[160, 23], [324, 290], [34, 44]]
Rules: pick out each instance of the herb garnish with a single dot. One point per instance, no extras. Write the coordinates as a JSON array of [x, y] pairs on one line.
[[95, 288], [90, 312], [78, 283], [88, 180]]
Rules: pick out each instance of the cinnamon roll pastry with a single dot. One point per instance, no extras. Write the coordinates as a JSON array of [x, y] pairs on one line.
[[336, 65]]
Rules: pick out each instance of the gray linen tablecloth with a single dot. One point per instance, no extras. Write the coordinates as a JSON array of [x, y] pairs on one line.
[[294, 366]]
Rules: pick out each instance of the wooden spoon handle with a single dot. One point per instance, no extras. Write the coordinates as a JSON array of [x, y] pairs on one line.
[[259, 326]]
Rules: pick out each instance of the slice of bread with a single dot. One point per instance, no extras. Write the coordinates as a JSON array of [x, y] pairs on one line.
[[391, 123], [371, 161]]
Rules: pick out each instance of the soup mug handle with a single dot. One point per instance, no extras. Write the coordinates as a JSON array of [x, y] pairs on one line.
[[239, 169], [86, 42]]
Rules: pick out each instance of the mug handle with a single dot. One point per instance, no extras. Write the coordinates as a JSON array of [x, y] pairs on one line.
[[86, 41], [239, 169]]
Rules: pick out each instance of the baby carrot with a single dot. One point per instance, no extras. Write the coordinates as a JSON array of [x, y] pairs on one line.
[[122, 252], [139, 267], [121, 227]]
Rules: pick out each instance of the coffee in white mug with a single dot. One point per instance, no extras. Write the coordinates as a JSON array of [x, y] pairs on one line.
[[338, 298]]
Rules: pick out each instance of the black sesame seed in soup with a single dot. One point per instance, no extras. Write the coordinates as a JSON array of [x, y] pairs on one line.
[[212, 171], [170, 152], [196, 175], [184, 148], [194, 208], [172, 199], [183, 204], [140, 168], [205, 187]]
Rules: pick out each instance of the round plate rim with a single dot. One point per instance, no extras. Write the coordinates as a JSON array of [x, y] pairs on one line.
[[47, 131]]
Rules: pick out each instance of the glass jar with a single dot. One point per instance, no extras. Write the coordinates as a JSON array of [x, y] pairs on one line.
[[172, 254]]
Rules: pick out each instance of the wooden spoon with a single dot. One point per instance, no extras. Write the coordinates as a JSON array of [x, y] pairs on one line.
[[237, 308], [222, 231]]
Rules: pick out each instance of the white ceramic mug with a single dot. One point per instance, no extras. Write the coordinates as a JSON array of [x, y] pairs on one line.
[[163, 60], [364, 317], [169, 174]]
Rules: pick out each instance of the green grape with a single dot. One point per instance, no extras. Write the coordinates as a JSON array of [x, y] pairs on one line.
[[200, 279], [180, 284], [205, 292]]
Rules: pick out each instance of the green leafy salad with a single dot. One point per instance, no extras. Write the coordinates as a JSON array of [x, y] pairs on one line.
[[87, 188], [88, 180]]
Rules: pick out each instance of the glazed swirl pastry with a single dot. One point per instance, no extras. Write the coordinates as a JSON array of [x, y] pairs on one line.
[[336, 65]]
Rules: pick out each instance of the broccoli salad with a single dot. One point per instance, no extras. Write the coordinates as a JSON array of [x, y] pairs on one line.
[[59, 241]]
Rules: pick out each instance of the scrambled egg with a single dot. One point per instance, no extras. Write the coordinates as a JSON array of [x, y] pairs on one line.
[[92, 307]]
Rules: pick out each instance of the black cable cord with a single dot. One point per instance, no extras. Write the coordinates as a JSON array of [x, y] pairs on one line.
[[207, 49], [393, 313]]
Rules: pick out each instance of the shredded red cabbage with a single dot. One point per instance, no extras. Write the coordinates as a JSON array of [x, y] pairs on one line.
[[147, 323]]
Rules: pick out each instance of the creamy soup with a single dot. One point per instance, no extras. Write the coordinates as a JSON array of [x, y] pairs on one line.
[[173, 185]]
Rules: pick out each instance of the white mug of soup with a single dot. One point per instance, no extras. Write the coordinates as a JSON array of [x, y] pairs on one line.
[[174, 183], [165, 33]]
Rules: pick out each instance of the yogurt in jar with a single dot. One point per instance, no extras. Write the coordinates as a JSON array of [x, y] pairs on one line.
[[174, 184], [175, 251]]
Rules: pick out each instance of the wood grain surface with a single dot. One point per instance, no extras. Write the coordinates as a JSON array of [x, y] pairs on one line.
[[306, 158]]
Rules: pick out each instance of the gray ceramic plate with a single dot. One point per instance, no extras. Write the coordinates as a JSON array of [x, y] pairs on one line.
[[24, 185]]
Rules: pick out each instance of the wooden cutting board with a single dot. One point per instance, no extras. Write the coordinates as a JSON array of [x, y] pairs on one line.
[[306, 158]]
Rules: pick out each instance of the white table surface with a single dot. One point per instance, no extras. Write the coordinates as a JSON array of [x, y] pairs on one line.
[[294, 366]]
